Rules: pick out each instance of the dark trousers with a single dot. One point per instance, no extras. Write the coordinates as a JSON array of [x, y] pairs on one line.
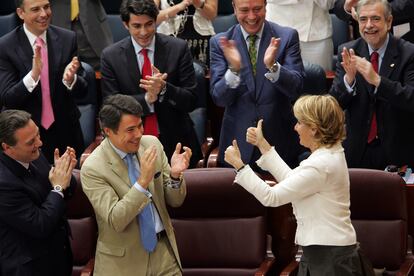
[[323, 260]]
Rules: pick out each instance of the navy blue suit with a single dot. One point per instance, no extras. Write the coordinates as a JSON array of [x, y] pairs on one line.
[[33, 229], [257, 97], [393, 102]]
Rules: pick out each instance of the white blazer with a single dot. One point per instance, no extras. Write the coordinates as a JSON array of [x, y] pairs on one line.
[[318, 190], [309, 17]]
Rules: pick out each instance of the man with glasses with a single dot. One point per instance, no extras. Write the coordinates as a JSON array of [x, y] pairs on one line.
[[374, 83]]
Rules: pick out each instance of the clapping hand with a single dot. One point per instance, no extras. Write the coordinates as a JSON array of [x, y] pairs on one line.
[[147, 166], [180, 161], [70, 71], [271, 52], [231, 53], [61, 172]]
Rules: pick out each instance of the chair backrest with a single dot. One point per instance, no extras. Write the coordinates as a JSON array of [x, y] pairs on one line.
[[220, 228], [88, 105], [7, 7], [83, 227], [8, 22], [223, 22], [117, 27], [379, 215], [314, 82]]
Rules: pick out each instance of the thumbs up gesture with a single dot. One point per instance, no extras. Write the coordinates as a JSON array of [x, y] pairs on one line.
[[232, 156], [255, 137]]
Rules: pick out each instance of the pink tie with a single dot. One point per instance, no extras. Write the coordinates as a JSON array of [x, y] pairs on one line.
[[48, 117]]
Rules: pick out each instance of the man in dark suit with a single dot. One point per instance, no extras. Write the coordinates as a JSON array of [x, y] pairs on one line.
[[257, 73], [89, 22], [167, 94], [33, 228], [402, 10], [374, 83], [27, 84]]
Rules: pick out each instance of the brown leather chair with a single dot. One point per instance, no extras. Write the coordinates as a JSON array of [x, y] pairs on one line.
[[84, 231], [379, 215], [220, 228]]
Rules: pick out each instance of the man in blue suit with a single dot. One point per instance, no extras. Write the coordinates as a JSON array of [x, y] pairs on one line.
[[257, 73]]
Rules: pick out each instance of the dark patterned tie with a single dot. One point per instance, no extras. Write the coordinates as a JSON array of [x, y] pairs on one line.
[[253, 52], [373, 128]]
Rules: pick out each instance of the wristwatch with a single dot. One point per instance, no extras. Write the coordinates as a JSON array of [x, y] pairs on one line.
[[58, 188], [233, 70], [273, 68]]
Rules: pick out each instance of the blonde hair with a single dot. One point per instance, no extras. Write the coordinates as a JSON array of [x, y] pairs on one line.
[[323, 113]]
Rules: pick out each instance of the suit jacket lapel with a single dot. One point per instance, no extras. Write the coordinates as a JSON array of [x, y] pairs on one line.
[[244, 52], [131, 62], [28, 182], [24, 49], [260, 66], [117, 165], [390, 58], [54, 57], [161, 53]]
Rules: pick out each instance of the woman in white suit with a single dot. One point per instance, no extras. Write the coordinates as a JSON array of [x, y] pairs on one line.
[[312, 21], [318, 188]]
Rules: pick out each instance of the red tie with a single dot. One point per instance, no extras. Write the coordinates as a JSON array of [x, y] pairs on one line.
[[47, 117], [373, 129], [150, 122]]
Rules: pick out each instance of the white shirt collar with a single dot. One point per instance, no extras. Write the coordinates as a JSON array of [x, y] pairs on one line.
[[381, 50], [246, 34], [32, 37], [138, 47]]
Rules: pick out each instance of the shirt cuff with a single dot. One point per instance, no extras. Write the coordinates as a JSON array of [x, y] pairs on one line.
[[150, 105], [232, 80], [60, 193], [142, 190], [29, 82], [273, 76], [349, 88], [69, 87]]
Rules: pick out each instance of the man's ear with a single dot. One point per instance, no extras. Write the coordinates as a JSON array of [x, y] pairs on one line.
[[19, 12], [5, 147]]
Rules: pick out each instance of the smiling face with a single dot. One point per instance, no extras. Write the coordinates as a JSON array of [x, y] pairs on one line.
[[373, 25], [128, 135], [36, 14], [28, 143], [142, 28], [250, 14]]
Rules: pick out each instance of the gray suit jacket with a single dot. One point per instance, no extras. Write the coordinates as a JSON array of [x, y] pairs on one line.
[[93, 20]]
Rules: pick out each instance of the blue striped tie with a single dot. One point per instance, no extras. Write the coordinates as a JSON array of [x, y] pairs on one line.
[[145, 218]]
